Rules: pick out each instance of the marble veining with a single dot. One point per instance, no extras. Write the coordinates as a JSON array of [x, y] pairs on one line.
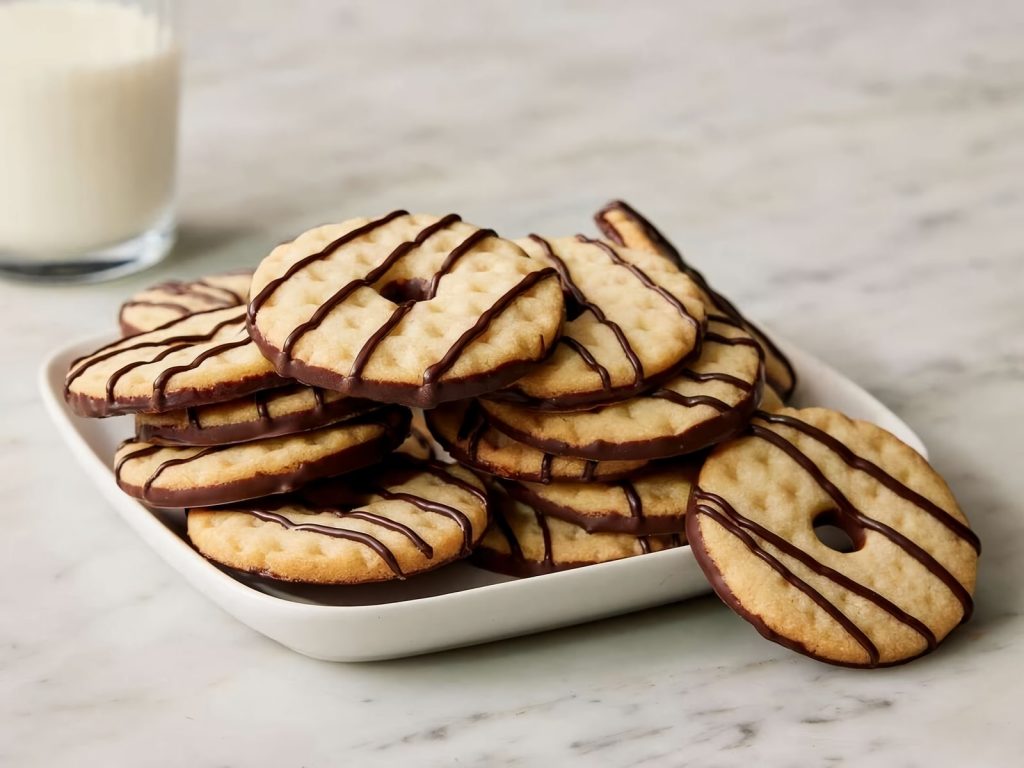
[[848, 172]]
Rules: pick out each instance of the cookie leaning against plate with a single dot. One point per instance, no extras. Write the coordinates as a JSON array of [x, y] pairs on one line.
[[393, 521], [621, 224], [523, 542], [176, 476], [267, 413], [906, 583], [650, 502], [413, 309], [151, 307], [632, 318], [462, 428], [203, 358], [707, 402]]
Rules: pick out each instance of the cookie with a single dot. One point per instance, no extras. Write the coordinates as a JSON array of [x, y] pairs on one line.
[[169, 476], [752, 523], [706, 403], [267, 413], [632, 319], [159, 304], [622, 225], [203, 358], [463, 429], [412, 309], [650, 502], [523, 542], [390, 522]]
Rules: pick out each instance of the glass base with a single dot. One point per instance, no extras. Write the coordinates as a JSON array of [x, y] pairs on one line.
[[124, 258]]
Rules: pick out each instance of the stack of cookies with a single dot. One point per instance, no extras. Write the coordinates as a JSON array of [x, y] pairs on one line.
[[599, 399]]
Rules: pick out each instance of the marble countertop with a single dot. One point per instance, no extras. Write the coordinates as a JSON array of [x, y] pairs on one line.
[[848, 172]]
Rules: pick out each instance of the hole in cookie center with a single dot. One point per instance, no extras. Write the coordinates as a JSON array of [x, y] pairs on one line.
[[838, 533], [401, 291]]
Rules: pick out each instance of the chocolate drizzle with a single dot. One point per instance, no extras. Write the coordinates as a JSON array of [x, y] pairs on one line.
[[669, 251], [848, 515], [158, 399], [372, 542], [515, 562], [375, 274], [394, 424], [208, 295], [876, 472], [322, 499], [472, 431], [583, 304], [636, 523], [729, 419], [431, 390], [203, 428]]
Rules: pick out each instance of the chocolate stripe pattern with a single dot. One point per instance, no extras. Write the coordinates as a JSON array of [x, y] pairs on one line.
[[310, 501], [669, 251], [775, 551], [164, 343], [353, 380]]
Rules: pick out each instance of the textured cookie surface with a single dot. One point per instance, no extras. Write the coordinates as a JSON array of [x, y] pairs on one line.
[[910, 572], [632, 317], [621, 224], [406, 308], [389, 522], [707, 402], [464, 430], [159, 304], [652, 501], [202, 358], [267, 413], [523, 542], [175, 476]]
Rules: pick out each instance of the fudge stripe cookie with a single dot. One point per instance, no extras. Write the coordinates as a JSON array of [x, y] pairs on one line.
[[905, 584], [176, 476], [621, 224], [706, 403], [523, 542], [632, 318], [464, 431], [202, 358], [160, 304], [267, 413], [651, 502], [410, 309], [396, 520]]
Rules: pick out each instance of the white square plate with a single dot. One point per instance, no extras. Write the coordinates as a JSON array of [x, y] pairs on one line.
[[455, 606]]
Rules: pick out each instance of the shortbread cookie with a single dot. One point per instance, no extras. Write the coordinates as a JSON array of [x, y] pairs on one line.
[[651, 502], [409, 309], [464, 431], [267, 413], [707, 402], [389, 522], [203, 358], [523, 542], [166, 476], [624, 226], [632, 319], [752, 520], [159, 304]]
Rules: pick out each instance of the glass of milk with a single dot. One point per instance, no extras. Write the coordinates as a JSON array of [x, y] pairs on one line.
[[88, 127]]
